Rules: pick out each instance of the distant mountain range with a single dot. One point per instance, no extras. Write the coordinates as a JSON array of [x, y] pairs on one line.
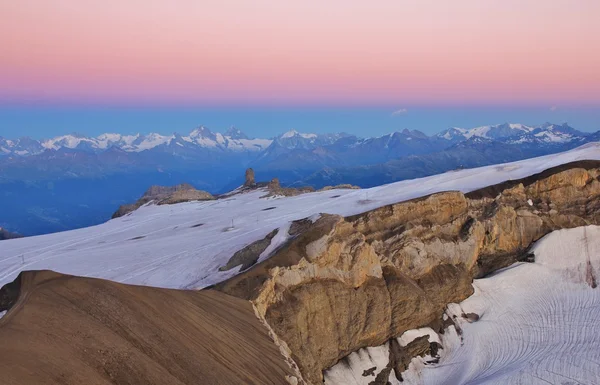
[[234, 140], [74, 180]]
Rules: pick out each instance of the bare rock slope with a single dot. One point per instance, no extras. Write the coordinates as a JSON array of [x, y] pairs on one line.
[[70, 330]]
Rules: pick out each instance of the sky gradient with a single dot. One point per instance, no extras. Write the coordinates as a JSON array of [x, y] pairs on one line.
[[271, 51], [386, 54]]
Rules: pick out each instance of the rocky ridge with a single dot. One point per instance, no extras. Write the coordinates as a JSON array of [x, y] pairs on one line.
[[162, 195], [341, 284], [274, 188]]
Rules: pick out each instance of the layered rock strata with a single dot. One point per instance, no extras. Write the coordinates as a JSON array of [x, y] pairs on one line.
[[342, 284]]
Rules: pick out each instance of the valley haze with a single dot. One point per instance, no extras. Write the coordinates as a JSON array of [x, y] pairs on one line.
[[72, 181]]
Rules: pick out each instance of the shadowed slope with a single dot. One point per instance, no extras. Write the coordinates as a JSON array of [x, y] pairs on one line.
[[71, 330]]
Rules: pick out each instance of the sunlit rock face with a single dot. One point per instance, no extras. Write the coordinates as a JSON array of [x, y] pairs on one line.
[[342, 284]]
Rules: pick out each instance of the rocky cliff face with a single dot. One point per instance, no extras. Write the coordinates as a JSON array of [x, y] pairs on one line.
[[342, 284]]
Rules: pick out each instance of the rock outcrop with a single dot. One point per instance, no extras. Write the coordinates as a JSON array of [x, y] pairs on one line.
[[275, 189], [342, 284], [274, 184], [5, 234], [249, 179], [73, 330], [340, 186], [163, 195], [250, 254]]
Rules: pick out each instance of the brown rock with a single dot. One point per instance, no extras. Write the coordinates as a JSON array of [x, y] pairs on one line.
[[346, 283], [401, 356], [5, 234], [70, 330], [249, 182], [340, 186], [180, 196], [248, 256], [163, 195], [274, 184], [275, 189]]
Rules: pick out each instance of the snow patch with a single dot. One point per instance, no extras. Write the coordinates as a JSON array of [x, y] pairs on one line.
[[410, 335], [279, 240], [359, 368], [290, 134]]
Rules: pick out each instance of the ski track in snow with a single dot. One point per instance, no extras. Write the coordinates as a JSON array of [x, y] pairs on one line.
[[539, 324], [165, 246]]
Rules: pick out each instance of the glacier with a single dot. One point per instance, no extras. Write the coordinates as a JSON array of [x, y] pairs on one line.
[[184, 245]]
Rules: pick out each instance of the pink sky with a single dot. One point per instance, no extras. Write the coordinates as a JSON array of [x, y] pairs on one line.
[[276, 51]]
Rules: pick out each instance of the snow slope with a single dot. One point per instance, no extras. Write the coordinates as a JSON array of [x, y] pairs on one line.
[[539, 324], [354, 369], [539, 321], [183, 245]]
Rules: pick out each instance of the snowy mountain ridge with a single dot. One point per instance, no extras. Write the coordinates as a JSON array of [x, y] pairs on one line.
[[81, 167], [547, 132], [202, 137], [235, 140]]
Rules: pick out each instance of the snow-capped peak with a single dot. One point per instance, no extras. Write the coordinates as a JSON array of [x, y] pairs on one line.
[[107, 140], [201, 132], [66, 141], [203, 137], [233, 139], [294, 133], [235, 133], [109, 137], [519, 126], [150, 141], [289, 134], [489, 132]]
